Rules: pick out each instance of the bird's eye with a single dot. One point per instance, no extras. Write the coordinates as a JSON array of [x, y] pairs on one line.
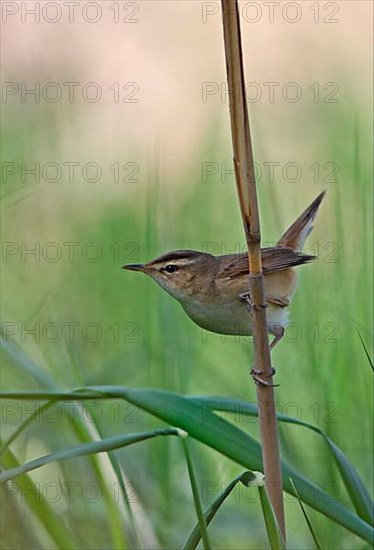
[[170, 268]]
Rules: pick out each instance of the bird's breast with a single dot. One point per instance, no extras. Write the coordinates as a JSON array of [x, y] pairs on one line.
[[232, 317]]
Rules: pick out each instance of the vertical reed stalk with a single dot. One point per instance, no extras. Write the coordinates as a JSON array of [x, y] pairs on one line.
[[246, 187]]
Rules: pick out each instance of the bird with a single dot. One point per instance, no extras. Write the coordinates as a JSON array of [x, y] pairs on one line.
[[214, 290]]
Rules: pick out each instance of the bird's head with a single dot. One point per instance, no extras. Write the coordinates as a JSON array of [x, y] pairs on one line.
[[177, 272]]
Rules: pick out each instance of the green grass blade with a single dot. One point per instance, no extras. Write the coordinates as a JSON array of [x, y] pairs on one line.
[[370, 360], [195, 536], [104, 445], [136, 543], [41, 377], [242, 408], [308, 522], [120, 539], [235, 444], [40, 507], [272, 528], [219, 435], [87, 433], [354, 485], [23, 426], [84, 431], [196, 496]]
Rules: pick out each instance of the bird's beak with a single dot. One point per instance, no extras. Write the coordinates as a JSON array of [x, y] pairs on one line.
[[134, 267]]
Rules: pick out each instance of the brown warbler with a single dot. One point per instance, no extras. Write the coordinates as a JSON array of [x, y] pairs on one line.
[[213, 290]]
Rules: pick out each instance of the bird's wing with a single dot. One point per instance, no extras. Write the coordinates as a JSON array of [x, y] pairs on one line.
[[273, 259]]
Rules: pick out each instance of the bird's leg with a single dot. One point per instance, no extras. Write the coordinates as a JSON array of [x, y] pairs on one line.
[[278, 333]]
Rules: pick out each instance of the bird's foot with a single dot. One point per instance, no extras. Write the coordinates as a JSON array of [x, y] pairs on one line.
[[260, 381], [247, 298]]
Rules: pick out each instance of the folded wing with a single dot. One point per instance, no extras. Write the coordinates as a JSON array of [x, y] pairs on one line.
[[273, 259]]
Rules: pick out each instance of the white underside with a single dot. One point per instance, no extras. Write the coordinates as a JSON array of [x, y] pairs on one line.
[[235, 318]]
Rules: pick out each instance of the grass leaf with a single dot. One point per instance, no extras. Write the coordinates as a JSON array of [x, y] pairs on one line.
[[195, 536], [41, 508], [104, 445], [310, 526], [196, 496], [370, 360], [354, 485], [218, 434], [272, 528]]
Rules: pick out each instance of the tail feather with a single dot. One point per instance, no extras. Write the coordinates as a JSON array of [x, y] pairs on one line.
[[297, 233]]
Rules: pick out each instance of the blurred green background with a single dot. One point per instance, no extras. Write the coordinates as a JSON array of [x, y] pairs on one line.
[[96, 324]]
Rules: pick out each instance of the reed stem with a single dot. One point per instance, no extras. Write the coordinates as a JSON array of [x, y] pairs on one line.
[[246, 187]]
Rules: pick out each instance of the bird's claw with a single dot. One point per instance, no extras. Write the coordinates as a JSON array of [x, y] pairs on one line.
[[247, 298], [256, 377]]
